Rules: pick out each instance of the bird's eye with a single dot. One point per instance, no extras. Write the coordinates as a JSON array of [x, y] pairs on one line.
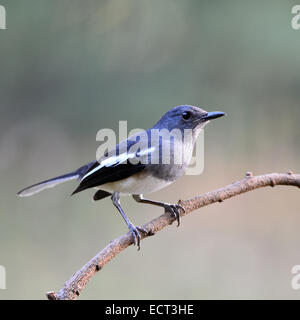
[[186, 115]]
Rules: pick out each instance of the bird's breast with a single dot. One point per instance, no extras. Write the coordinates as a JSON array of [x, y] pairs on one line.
[[139, 183]]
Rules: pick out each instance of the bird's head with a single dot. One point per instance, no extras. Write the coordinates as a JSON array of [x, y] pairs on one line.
[[186, 117]]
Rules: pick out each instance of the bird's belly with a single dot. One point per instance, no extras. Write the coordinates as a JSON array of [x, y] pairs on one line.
[[139, 183]]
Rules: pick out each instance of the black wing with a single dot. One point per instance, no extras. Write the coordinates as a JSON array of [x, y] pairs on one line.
[[110, 172]]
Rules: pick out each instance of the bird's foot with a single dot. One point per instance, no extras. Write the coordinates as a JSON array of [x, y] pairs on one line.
[[175, 210], [136, 234]]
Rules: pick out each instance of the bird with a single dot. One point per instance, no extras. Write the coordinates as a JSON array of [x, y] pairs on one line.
[[143, 163]]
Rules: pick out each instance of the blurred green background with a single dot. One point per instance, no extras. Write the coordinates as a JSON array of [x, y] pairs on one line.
[[69, 68]]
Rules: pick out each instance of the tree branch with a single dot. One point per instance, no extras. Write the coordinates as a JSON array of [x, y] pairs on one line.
[[79, 280]]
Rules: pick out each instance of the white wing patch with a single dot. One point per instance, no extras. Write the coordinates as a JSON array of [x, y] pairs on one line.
[[112, 161]]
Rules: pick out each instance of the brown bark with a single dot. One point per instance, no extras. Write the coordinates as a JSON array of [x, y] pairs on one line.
[[79, 280]]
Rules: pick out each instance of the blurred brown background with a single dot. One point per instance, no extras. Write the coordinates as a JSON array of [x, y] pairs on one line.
[[69, 68]]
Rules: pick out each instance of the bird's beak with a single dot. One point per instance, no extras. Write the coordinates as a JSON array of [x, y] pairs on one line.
[[213, 115]]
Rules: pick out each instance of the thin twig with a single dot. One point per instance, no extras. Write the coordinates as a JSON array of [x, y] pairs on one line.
[[79, 280]]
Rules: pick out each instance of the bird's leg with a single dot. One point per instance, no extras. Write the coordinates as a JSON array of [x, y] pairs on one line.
[[173, 208], [135, 231]]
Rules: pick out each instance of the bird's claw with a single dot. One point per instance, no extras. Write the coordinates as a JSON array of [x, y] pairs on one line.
[[175, 210], [136, 234]]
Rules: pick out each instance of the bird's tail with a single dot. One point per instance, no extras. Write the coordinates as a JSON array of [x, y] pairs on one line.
[[29, 191], [77, 174]]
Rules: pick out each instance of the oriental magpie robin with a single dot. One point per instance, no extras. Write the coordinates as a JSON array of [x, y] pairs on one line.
[[143, 163]]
